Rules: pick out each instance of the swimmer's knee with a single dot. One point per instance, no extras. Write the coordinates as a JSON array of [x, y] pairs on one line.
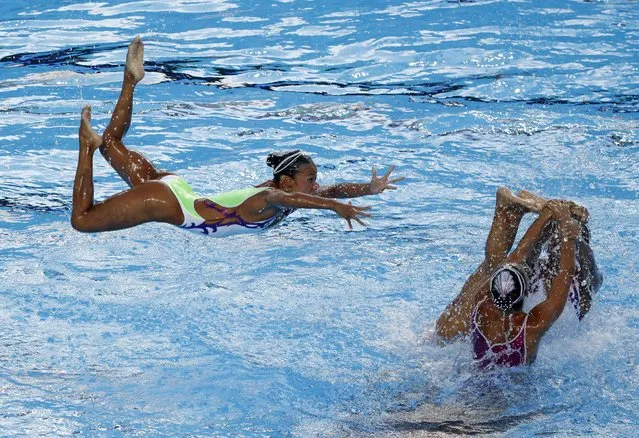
[[79, 223], [451, 324], [110, 139], [443, 335], [107, 136], [439, 330], [502, 191]]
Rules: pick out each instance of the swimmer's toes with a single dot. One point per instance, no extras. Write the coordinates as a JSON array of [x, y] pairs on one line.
[[135, 59], [86, 113]]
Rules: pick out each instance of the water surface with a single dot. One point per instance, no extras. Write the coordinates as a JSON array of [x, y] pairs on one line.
[[309, 329]]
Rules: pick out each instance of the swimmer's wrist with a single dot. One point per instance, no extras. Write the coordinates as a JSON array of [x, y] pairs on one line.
[[546, 212], [334, 205], [568, 231]]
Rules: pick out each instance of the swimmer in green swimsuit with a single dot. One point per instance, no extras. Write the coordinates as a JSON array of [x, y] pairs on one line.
[[156, 196]]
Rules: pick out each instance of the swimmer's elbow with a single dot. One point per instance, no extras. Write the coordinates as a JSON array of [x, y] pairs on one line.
[[442, 339], [444, 334]]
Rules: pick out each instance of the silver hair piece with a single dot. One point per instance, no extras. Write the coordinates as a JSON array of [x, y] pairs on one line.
[[287, 162]]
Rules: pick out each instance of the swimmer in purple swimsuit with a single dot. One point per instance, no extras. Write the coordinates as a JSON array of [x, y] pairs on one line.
[[489, 306], [156, 196]]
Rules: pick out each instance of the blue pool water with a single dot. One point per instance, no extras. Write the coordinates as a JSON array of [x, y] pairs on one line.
[[309, 329]]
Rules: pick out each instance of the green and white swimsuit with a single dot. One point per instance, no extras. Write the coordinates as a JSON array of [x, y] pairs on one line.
[[231, 223]]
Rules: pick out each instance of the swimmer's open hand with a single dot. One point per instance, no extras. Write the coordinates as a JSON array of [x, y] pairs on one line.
[[352, 212], [378, 185], [561, 209], [558, 209]]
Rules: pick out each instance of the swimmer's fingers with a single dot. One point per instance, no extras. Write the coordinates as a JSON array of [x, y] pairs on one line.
[[390, 185], [361, 213], [396, 180], [356, 213], [378, 185], [362, 209], [389, 171], [350, 212], [557, 208], [579, 212], [570, 229], [361, 222]]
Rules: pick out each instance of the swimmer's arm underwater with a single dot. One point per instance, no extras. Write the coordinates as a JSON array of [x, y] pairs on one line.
[[280, 198], [354, 190]]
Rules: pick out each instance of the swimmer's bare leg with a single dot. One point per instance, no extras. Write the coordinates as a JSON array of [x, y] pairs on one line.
[[152, 201], [509, 210], [83, 185], [132, 166]]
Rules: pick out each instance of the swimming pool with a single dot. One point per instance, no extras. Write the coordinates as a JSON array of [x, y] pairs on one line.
[[309, 329]]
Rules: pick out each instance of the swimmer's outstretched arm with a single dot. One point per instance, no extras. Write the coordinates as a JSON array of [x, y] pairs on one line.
[[354, 190], [280, 198]]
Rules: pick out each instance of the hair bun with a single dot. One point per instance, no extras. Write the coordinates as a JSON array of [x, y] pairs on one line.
[[272, 159]]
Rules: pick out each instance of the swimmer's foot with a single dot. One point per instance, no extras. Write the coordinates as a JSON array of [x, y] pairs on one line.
[[88, 137], [578, 212], [531, 197], [135, 60], [507, 199]]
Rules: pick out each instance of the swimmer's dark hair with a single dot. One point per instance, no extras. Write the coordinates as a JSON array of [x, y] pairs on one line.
[[289, 161]]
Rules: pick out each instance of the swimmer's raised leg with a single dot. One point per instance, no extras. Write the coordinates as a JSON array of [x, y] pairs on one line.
[[509, 210], [152, 201], [132, 166], [83, 185]]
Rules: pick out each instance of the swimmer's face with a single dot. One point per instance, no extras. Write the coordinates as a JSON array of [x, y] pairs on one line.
[[305, 180]]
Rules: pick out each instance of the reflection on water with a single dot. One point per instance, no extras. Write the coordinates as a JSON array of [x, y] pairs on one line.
[[310, 330]]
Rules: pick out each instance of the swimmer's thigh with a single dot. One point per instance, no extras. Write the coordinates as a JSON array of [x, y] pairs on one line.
[[148, 202]]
